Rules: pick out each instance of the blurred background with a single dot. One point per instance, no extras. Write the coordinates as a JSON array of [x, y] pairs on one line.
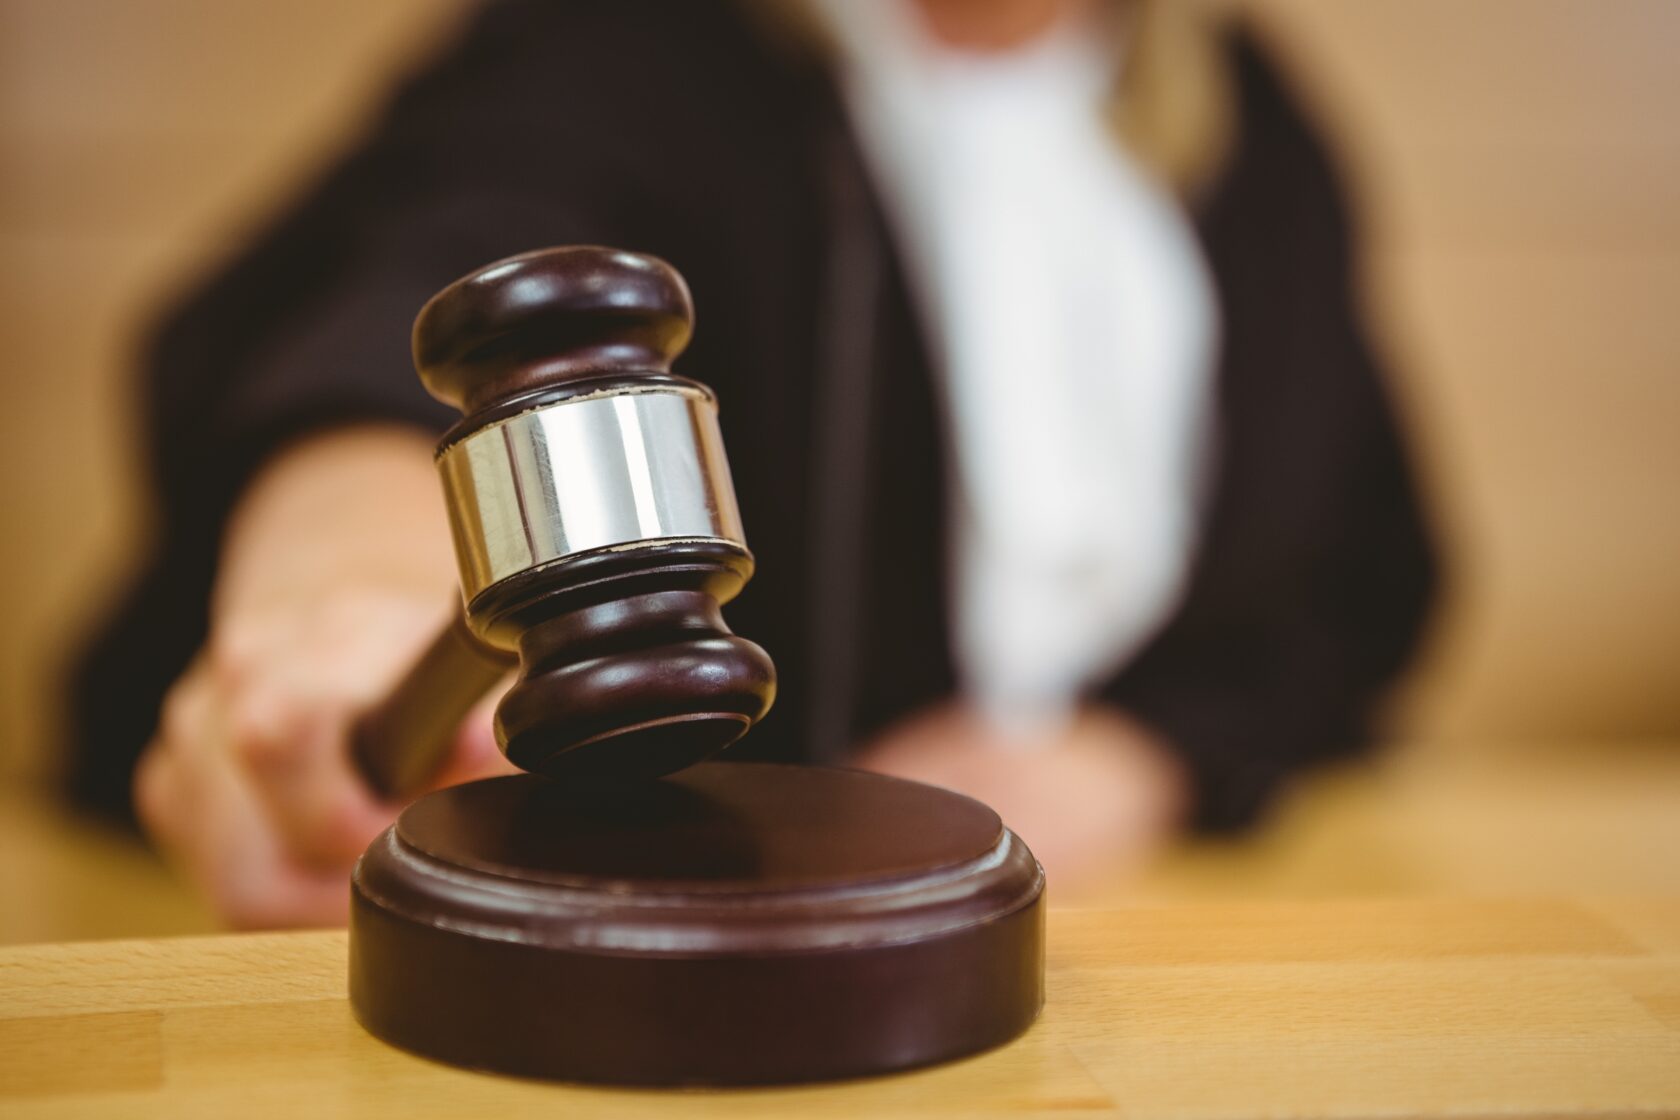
[[1517, 165]]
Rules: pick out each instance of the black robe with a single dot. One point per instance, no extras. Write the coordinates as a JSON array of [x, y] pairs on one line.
[[673, 127]]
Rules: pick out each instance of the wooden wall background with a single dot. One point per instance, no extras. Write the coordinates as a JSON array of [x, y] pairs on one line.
[[1520, 168]]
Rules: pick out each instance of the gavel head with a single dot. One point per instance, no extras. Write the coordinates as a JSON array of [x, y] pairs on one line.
[[593, 513]]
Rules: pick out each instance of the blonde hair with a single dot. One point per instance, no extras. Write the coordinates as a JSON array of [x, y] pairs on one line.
[[1174, 102]]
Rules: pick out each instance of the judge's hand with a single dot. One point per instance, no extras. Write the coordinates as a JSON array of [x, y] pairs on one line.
[[333, 580], [1093, 800]]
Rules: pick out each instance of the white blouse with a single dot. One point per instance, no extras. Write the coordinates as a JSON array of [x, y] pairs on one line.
[[1072, 320]]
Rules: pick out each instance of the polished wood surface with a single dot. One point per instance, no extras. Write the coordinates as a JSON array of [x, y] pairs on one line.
[[746, 924], [1409, 1008], [1237, 981]]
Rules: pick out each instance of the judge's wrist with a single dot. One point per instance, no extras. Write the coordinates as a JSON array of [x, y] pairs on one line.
[[350, 507]]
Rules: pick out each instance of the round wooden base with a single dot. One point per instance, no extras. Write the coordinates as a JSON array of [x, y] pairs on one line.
[[737, 923]]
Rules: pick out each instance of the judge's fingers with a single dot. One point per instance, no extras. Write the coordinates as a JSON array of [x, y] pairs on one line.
[[292, 747], [166, 787], [195, 802], [292, 695]]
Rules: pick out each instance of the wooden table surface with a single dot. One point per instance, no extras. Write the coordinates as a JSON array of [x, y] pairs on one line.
[[1538, 1008]]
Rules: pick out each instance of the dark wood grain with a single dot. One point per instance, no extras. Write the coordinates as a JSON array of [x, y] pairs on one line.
[[736, 923], [625, 663], [402, 742]]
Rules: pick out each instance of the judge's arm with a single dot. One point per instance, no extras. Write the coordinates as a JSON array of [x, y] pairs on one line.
[[304, 559], [335, 571]]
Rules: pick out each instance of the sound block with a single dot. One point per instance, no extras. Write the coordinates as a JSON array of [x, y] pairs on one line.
[[736, 923]]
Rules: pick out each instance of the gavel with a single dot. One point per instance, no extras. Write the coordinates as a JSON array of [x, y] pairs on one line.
[[617, 913], [595, 527]]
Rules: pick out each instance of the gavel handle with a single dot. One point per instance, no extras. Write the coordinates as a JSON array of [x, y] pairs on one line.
[[400, 744]]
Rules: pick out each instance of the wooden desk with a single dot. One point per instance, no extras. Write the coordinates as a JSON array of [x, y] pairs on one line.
[[1402, 1008], [1427, 820]]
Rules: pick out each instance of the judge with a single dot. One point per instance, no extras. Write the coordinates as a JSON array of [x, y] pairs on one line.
[[1070, 473]]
